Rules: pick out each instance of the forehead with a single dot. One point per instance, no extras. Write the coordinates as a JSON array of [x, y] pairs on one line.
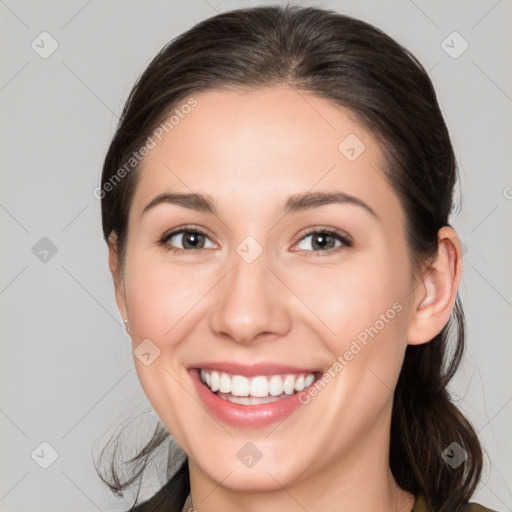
[[264, 144]]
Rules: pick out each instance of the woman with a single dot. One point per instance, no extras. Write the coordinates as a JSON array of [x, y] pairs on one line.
[[276, 203]]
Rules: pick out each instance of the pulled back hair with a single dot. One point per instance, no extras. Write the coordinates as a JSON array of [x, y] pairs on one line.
[[356, 66]]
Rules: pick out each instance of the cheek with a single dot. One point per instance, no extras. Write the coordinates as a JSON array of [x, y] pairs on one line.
[[361, 313], [160, 298], [356, 300], [162, 304]]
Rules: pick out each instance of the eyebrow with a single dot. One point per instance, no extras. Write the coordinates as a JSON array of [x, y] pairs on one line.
[[295, 203], [309, 200]]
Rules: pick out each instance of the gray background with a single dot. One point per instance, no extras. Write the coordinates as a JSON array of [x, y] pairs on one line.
[[67, 371]]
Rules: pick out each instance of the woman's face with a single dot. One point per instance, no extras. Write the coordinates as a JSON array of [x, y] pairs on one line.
[[264, 292]]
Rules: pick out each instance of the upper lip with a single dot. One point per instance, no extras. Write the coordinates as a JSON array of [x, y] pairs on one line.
[[251, 370]]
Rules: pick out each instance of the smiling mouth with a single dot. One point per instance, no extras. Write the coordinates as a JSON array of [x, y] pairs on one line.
[[257, 390]]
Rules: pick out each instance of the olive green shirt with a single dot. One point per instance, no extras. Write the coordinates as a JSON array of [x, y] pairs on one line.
[[421, 506]]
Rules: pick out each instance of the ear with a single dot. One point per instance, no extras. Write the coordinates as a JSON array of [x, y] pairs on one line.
[[435, 294], [114, 263]]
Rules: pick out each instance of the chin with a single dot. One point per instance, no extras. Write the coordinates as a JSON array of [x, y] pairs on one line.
[[264, 479]]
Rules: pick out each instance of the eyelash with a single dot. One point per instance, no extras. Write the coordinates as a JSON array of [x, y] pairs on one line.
[[345, 240]]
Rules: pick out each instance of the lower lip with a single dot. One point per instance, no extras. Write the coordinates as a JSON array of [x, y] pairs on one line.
[[238, 415]]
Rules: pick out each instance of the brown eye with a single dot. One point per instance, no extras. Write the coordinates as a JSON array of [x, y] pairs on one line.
[[187, 240], [323, 240]]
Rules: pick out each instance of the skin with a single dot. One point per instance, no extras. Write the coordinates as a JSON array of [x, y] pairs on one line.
[[295, 304]]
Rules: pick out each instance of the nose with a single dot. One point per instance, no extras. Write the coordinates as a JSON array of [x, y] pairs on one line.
[[252, 303]]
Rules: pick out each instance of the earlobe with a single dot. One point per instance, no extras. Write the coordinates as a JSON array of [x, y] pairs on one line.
[[435, 295]]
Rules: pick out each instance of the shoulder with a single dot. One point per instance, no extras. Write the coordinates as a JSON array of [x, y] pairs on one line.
[[137, 508], [475, 507], [421, 506], [144, 506], [141, 507]]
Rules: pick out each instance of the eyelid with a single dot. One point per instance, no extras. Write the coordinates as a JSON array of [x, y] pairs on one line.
[[327, 229], [185, 227]]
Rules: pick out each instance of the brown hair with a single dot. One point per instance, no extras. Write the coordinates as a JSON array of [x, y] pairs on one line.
[[357, 66]]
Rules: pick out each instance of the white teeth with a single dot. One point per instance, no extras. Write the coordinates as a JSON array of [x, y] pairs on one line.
[[275, 386], [250, 400], [261, 387], [309, 380], [224, 383], [214, 384], [289, 384], [239, 385]]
